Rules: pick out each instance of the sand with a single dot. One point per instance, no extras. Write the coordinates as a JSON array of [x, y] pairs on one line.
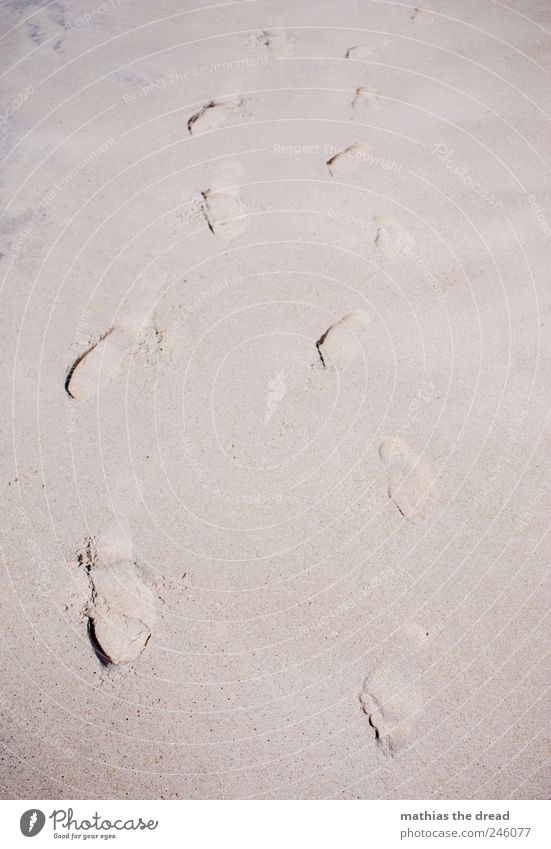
[[276, 359]]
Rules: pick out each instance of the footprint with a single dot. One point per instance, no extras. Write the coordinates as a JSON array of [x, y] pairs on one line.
[[423, 16], [278, 42], [120, 612], [365, 101], [392, 238], [212, 116], [191, 212], [339, 345], [390, 706], [411, 484], [361, 52], [112, 545], [139, 337], [148, 343], [97, 367], [347, 161], [388, 697], [224, 212]]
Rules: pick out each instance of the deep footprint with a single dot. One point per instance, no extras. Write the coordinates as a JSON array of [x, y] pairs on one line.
[[411, 484], [212, 116], [138, 338], [120, 612], [96, 368], [339, 345]]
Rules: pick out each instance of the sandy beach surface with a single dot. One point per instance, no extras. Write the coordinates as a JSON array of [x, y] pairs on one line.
[[275, 361]]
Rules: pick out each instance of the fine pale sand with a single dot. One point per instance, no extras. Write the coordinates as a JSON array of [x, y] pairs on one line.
[[276, 357]]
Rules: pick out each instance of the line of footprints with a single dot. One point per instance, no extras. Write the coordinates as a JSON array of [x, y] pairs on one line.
[[221, 205], [411, 484], [120, 611]]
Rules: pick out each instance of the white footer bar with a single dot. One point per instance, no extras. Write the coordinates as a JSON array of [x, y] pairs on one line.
[[281, 824]]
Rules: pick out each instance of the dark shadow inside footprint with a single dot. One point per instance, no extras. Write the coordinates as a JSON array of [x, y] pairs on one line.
[[73, 368], [194, 118], [98, 651], [80, 359], [319, 343], [375, 729]]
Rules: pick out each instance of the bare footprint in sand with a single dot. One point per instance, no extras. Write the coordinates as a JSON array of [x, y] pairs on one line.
[[362, 52], [120, 612], [392, 238], [358, 53], [339, 345], [365, 101], [347, 161], [390, 706], [138, 337], [97, 367], [224, 212], [422, 16], [411, 484], [213, 115], [148, 343], [389, 698], [279, 42]]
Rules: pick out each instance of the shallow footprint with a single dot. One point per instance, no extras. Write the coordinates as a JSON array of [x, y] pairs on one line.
[[390, 706], [358, 52], [97, 367], [392, 238], [423, 16], [212, 116], [148, 344], [347, 161], [411, 484], [339, 345], [280, 43], [387, 697], [365, 101], [120, 613], [362, 52], [225, 214]]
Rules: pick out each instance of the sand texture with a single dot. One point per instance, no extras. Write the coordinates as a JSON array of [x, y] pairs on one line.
[[275, 347]]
